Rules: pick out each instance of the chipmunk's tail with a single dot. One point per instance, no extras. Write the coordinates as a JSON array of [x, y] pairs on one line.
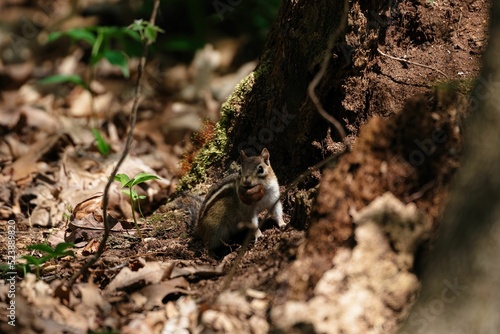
[[189, 205]]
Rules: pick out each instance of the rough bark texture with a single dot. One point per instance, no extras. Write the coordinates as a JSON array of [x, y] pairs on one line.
[[404, 121], [271, 108], [460, 287], [277, 111]]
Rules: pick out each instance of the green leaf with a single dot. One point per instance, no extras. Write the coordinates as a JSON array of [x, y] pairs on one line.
[[150, 33], [135, 196], [145, 30], [143, 177], [102, 145], [77, 34], [126, 192], [131, 193], [137, 25], [45, 258], [96, 47], [61, 248], [122, 178], [55, 35], [118, 58], [5, 268], [42, 248], [67, 253], [60, 78], [32, 260], [81, 34], [133, 34]]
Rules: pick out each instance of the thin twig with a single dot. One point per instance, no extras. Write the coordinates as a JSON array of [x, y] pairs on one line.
[[310, 170], [324, 65], [412, 62], [413, 197], [132, 121]]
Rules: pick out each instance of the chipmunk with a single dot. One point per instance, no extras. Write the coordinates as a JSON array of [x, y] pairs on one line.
[[239, 198]]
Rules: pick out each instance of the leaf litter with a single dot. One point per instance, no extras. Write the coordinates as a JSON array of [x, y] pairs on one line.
[[52, 174]]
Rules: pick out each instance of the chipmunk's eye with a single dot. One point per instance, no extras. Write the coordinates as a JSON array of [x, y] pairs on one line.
[[260, 170]]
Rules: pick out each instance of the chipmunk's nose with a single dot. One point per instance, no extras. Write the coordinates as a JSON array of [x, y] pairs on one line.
[[247, 182]]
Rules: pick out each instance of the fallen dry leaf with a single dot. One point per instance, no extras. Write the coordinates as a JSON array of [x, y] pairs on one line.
[[51, 315], [202, 271], [151, 273], [159, 294], [25, 166]]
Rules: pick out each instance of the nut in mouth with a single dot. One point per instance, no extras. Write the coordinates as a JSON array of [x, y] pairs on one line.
[[253, 194]]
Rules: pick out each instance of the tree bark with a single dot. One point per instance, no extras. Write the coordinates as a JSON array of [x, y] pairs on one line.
[[460, 289], [367, 75], [277, 111]]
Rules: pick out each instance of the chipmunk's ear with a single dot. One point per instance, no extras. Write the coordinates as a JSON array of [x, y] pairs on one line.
[[264, 155], [243, 156]]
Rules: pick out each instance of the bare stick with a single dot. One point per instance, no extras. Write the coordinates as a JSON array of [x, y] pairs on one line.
[[324, 65], [310, 170], [132, 120], [412, 62]]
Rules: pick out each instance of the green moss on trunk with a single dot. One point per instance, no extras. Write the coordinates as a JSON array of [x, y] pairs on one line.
[[216, 149]]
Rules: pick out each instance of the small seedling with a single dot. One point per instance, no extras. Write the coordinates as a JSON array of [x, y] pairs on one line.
[[102, 40], [116, 45], [128, 189], [50, 253], [146, 30], [103, 147], [7, 269]]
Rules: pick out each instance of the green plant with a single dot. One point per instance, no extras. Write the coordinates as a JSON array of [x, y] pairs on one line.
[[57, 79], [6, 269], [146, 30], [129, 185], [115, 44], [104, 41], [102, 145], [132, 122], [50, 253]]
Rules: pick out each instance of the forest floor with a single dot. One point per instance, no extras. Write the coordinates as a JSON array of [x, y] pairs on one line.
[[53, 173]]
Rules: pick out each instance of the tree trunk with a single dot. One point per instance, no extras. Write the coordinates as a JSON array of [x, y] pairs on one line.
[[460, 292], [277, 111], [387, 61], [271, 108]]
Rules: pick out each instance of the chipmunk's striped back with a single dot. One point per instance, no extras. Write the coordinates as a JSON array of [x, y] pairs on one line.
[[239, 198]]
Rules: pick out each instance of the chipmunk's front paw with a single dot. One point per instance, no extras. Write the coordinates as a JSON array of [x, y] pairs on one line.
[[278, 218], [258, 234]]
